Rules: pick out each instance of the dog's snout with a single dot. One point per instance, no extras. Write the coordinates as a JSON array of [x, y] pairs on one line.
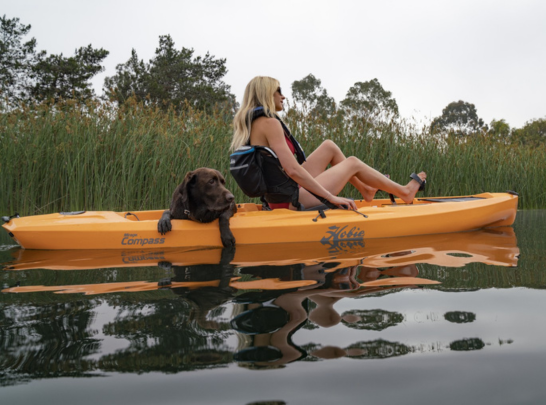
[[230, 197]]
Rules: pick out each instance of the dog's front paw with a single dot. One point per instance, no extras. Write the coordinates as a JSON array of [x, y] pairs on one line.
[[164, 225], [228, 240]]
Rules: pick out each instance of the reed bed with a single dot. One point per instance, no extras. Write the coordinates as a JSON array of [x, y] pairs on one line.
[[67, 157]]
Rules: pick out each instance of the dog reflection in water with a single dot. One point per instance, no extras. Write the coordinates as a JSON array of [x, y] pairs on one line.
[[204, 298]]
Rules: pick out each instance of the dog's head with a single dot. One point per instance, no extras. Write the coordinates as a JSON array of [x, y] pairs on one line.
[[205, 189]]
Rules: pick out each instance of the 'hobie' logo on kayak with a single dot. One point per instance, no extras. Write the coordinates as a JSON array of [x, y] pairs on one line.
[[337, 233], [343, 238], [133, 239]]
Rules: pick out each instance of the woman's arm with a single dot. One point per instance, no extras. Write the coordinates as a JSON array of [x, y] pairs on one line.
[[272, 130]]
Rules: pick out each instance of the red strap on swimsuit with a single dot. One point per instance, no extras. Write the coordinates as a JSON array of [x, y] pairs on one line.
[[290, 145]]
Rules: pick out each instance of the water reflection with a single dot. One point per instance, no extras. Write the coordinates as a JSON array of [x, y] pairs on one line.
[[271, 324], [183, 310]]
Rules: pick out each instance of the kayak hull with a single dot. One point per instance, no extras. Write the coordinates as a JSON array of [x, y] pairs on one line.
[[251, 225], [496, 247]]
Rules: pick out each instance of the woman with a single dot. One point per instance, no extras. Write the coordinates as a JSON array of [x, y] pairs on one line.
[[256, 123]]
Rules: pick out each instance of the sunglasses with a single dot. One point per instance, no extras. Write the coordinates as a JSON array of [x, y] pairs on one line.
[[279, 90]]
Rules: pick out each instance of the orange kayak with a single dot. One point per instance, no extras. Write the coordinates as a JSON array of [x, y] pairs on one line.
[[250, 225]]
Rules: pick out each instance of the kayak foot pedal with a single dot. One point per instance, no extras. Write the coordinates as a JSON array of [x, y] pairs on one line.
[[393, 201]]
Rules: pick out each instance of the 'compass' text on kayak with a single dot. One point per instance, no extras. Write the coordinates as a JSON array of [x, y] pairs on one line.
[[133, 239]]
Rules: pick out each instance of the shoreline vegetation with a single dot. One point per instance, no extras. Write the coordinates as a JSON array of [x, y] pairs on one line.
[[100, 156]]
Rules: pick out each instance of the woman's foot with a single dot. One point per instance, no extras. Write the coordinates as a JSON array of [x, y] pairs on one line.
[[412, 188]]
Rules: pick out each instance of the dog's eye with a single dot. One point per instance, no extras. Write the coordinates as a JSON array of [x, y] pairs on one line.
[[211, 181]]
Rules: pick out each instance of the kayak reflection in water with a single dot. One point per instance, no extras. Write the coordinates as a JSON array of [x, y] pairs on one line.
[[271, 324]]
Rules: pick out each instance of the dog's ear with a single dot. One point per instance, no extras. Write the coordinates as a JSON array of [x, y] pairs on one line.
[[184, 189], [220, 176]]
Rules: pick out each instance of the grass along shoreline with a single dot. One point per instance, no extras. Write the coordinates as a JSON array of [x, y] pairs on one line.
[[101, 157]]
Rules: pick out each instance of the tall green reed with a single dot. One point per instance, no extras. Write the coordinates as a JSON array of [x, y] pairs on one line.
[[103, 157]]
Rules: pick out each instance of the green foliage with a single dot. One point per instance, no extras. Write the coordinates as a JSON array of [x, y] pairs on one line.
[[532, 134], [311, 97], [369, 99], [500, 130], [16, 60], [458, 118], [63, 157], [58, 77], [172, 77], [28, 76]]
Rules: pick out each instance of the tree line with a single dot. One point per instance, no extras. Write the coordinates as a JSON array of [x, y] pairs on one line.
[[176, 78], [172, 77]]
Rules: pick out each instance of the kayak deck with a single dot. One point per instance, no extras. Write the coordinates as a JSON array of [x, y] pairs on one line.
[[250, 225]]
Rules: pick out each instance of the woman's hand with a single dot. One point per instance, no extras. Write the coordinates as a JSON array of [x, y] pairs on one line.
[[341, 202]]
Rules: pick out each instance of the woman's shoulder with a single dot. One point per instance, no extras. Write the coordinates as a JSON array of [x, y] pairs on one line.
[[266, 123], [265, 131]]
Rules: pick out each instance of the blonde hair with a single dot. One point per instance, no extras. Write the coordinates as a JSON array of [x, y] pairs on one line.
[[259, 92]]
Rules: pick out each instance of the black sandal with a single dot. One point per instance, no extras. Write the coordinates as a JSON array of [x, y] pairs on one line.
[[418, 180]]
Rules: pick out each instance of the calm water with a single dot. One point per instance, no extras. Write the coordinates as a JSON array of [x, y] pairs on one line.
[[296, 325]]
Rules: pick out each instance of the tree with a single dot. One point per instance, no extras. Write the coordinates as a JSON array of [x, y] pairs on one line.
[[171, 77], [57, 77], [312, 97], [16, 59], [458, 118], [27, 75], [369, 99], [130, 80], [533, 133], [499, 130]]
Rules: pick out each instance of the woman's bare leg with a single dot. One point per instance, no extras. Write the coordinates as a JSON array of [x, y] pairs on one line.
[[328, 153], [335, 178]]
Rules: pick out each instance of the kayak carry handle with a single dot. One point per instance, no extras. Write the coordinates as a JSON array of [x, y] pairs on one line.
[[6, 219], [130, 213]]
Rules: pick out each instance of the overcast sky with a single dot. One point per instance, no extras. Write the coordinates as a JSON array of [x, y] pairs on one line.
[[428, 53]]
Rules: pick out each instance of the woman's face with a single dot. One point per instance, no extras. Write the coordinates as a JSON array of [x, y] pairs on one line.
[[278, 98]]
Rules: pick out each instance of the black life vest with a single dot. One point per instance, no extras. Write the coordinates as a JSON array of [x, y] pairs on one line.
[[259, 172]]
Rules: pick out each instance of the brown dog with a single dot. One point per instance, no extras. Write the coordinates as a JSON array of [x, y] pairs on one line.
[[202, 197]]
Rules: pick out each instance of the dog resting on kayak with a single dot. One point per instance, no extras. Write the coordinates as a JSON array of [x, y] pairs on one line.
[[202, 197]]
